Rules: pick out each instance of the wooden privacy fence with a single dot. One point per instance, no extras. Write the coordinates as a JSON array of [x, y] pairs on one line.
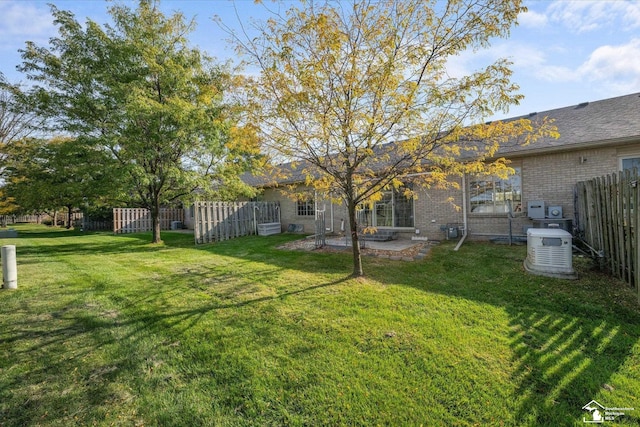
[[217, 221], [15, 219], [136, 220], [88, 224], [61, 218], [607, 219]]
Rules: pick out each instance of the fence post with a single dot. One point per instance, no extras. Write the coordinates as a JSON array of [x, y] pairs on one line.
[[9, 269]]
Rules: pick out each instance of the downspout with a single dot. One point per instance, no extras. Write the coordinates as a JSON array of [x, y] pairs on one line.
[[331, 207], [464, 212]]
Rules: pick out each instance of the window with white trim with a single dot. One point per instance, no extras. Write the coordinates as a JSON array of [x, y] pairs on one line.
[[394, 210], [630, 163], [305, 207], [494, 195]]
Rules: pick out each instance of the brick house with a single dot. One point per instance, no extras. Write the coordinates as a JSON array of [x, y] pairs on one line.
[[596, 138]]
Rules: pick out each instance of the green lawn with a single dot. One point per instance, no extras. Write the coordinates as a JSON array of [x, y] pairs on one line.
[[111, 330]]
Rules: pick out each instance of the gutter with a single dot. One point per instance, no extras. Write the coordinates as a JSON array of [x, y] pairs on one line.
[[464, 212]]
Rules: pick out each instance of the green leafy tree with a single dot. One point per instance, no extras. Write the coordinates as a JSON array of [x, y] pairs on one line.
[[17, 121], [357, 94], [48, 175], [138, 90]]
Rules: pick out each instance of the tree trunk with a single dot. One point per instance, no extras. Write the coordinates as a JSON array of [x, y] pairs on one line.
[[55, 219], [69, 215], [155, 218], [355, 243]]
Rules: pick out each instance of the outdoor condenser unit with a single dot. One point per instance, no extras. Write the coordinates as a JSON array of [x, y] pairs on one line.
[[549, 253]]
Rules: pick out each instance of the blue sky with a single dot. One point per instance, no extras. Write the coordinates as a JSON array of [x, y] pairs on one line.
[[563, 52]]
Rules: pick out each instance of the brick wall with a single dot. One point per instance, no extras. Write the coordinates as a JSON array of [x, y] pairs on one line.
[[289, 210], [549, 177], [552, 177], [435, 209]]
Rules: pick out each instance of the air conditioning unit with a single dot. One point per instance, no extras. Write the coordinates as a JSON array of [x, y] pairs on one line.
[[549, 253]]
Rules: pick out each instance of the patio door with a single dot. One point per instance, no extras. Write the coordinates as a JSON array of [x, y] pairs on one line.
[[393, 210], [384, 211]]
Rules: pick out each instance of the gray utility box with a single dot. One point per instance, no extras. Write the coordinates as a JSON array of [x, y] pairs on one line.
[[555, 212], [453, 230], [535, 209]]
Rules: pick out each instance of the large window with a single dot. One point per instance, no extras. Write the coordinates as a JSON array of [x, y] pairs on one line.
[[393, 210], [493, 195]]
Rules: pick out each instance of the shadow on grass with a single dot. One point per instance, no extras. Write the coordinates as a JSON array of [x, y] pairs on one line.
[[568, 339], [60, 243], [66, 342]]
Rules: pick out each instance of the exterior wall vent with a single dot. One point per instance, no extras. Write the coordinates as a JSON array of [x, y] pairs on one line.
[[549, 253]]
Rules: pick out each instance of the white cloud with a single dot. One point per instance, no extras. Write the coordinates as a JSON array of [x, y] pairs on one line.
[[23, 19], [524, 57], [631, 16], [555, 74], [521, 54], [532, 60], [616, 67], [584, 16], [532, 19], [21, 22]]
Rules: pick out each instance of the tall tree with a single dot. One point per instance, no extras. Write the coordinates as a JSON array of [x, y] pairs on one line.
[[137, 89], [16, 120], [48, 175], [357, 94]]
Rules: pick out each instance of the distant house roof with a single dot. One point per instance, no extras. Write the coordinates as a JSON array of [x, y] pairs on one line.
[[286, 174], [589, 124]]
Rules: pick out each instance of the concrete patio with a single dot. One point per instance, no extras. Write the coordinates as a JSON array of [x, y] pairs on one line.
[[390, 245]]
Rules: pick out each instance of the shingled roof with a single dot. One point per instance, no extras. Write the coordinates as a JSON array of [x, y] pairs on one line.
[[589, 124], [596, 123]]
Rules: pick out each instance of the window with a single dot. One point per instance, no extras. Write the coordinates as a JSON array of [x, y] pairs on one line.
[[393, 210], [630, 163], [306, 208], [492, 195]]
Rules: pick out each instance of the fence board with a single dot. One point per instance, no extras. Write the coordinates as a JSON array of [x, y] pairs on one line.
[[137, 220], [608, 215], [218, 221], [628, 229]]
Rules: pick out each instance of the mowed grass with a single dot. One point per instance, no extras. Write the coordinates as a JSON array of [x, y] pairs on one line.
[[111, 330]]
